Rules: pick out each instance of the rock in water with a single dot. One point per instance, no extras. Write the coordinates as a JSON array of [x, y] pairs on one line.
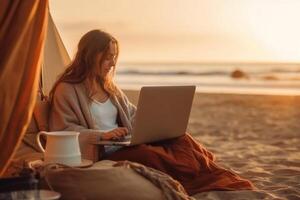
[[239, 74]]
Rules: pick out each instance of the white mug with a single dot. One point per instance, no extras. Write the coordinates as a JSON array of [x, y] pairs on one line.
[[61, 147]]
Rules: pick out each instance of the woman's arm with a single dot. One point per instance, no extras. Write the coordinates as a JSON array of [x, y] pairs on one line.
[[66, 113]]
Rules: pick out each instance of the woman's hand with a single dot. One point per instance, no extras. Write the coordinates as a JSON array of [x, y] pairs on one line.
[[115, 134]]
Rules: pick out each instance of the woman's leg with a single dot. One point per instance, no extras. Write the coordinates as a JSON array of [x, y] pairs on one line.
[[187, 161]]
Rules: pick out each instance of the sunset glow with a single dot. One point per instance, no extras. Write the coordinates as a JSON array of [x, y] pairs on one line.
[[188, 31]]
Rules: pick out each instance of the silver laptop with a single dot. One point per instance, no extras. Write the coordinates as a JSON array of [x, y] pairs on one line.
[[162, 113]]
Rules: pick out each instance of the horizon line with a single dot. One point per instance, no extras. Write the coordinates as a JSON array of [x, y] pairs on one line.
[[210, 63]]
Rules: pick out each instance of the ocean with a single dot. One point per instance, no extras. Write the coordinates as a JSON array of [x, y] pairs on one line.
[[257, 78]]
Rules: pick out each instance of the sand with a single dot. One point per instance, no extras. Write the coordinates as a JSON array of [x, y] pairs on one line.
[[256, 136]]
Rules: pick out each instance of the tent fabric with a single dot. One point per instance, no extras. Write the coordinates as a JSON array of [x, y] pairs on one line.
[[55, 57], [185, 160], [22, 34]]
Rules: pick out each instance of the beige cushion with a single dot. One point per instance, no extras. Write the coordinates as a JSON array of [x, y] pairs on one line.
[[102, 181]]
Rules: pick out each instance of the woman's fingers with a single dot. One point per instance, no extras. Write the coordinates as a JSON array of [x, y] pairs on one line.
[[115, 133], [125, 130], [110, 135], [120, 132]]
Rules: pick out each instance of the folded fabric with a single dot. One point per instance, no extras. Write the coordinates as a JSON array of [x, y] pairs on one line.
[[172, 189]]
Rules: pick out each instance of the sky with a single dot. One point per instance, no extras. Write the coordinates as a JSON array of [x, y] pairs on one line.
[[187, 30]]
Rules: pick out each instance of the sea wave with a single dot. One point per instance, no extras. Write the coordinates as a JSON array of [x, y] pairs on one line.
[[215, 78], [172, 72], [267, 71]]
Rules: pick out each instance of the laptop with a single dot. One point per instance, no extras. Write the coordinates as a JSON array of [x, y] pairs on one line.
[[162, 113]]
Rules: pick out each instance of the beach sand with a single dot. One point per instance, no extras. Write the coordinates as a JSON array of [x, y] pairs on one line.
[[256, 136]]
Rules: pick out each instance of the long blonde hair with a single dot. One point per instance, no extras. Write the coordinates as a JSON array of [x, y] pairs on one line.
[[81, 68]]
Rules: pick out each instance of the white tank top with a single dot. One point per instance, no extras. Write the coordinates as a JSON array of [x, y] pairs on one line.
[[104, 114]]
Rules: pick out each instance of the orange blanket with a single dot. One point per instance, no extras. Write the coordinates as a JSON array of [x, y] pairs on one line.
[[186, 161]]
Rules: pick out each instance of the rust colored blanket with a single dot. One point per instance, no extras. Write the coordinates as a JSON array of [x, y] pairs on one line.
[[187, 161]]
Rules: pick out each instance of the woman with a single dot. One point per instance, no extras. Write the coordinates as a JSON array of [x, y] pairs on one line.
[[86, 99]]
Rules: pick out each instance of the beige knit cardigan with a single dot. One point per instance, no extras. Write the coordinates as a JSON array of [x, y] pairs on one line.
[[70, 110]]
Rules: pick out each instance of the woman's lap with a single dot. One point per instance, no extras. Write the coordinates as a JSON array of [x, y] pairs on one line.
[[187, 161]]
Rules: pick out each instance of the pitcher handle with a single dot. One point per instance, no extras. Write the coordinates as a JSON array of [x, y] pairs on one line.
[[39, 141]]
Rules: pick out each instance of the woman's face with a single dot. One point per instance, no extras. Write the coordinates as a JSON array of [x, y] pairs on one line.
[[108, 62]]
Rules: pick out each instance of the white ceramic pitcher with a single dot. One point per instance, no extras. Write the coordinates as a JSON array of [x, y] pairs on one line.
[[61, 147]]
